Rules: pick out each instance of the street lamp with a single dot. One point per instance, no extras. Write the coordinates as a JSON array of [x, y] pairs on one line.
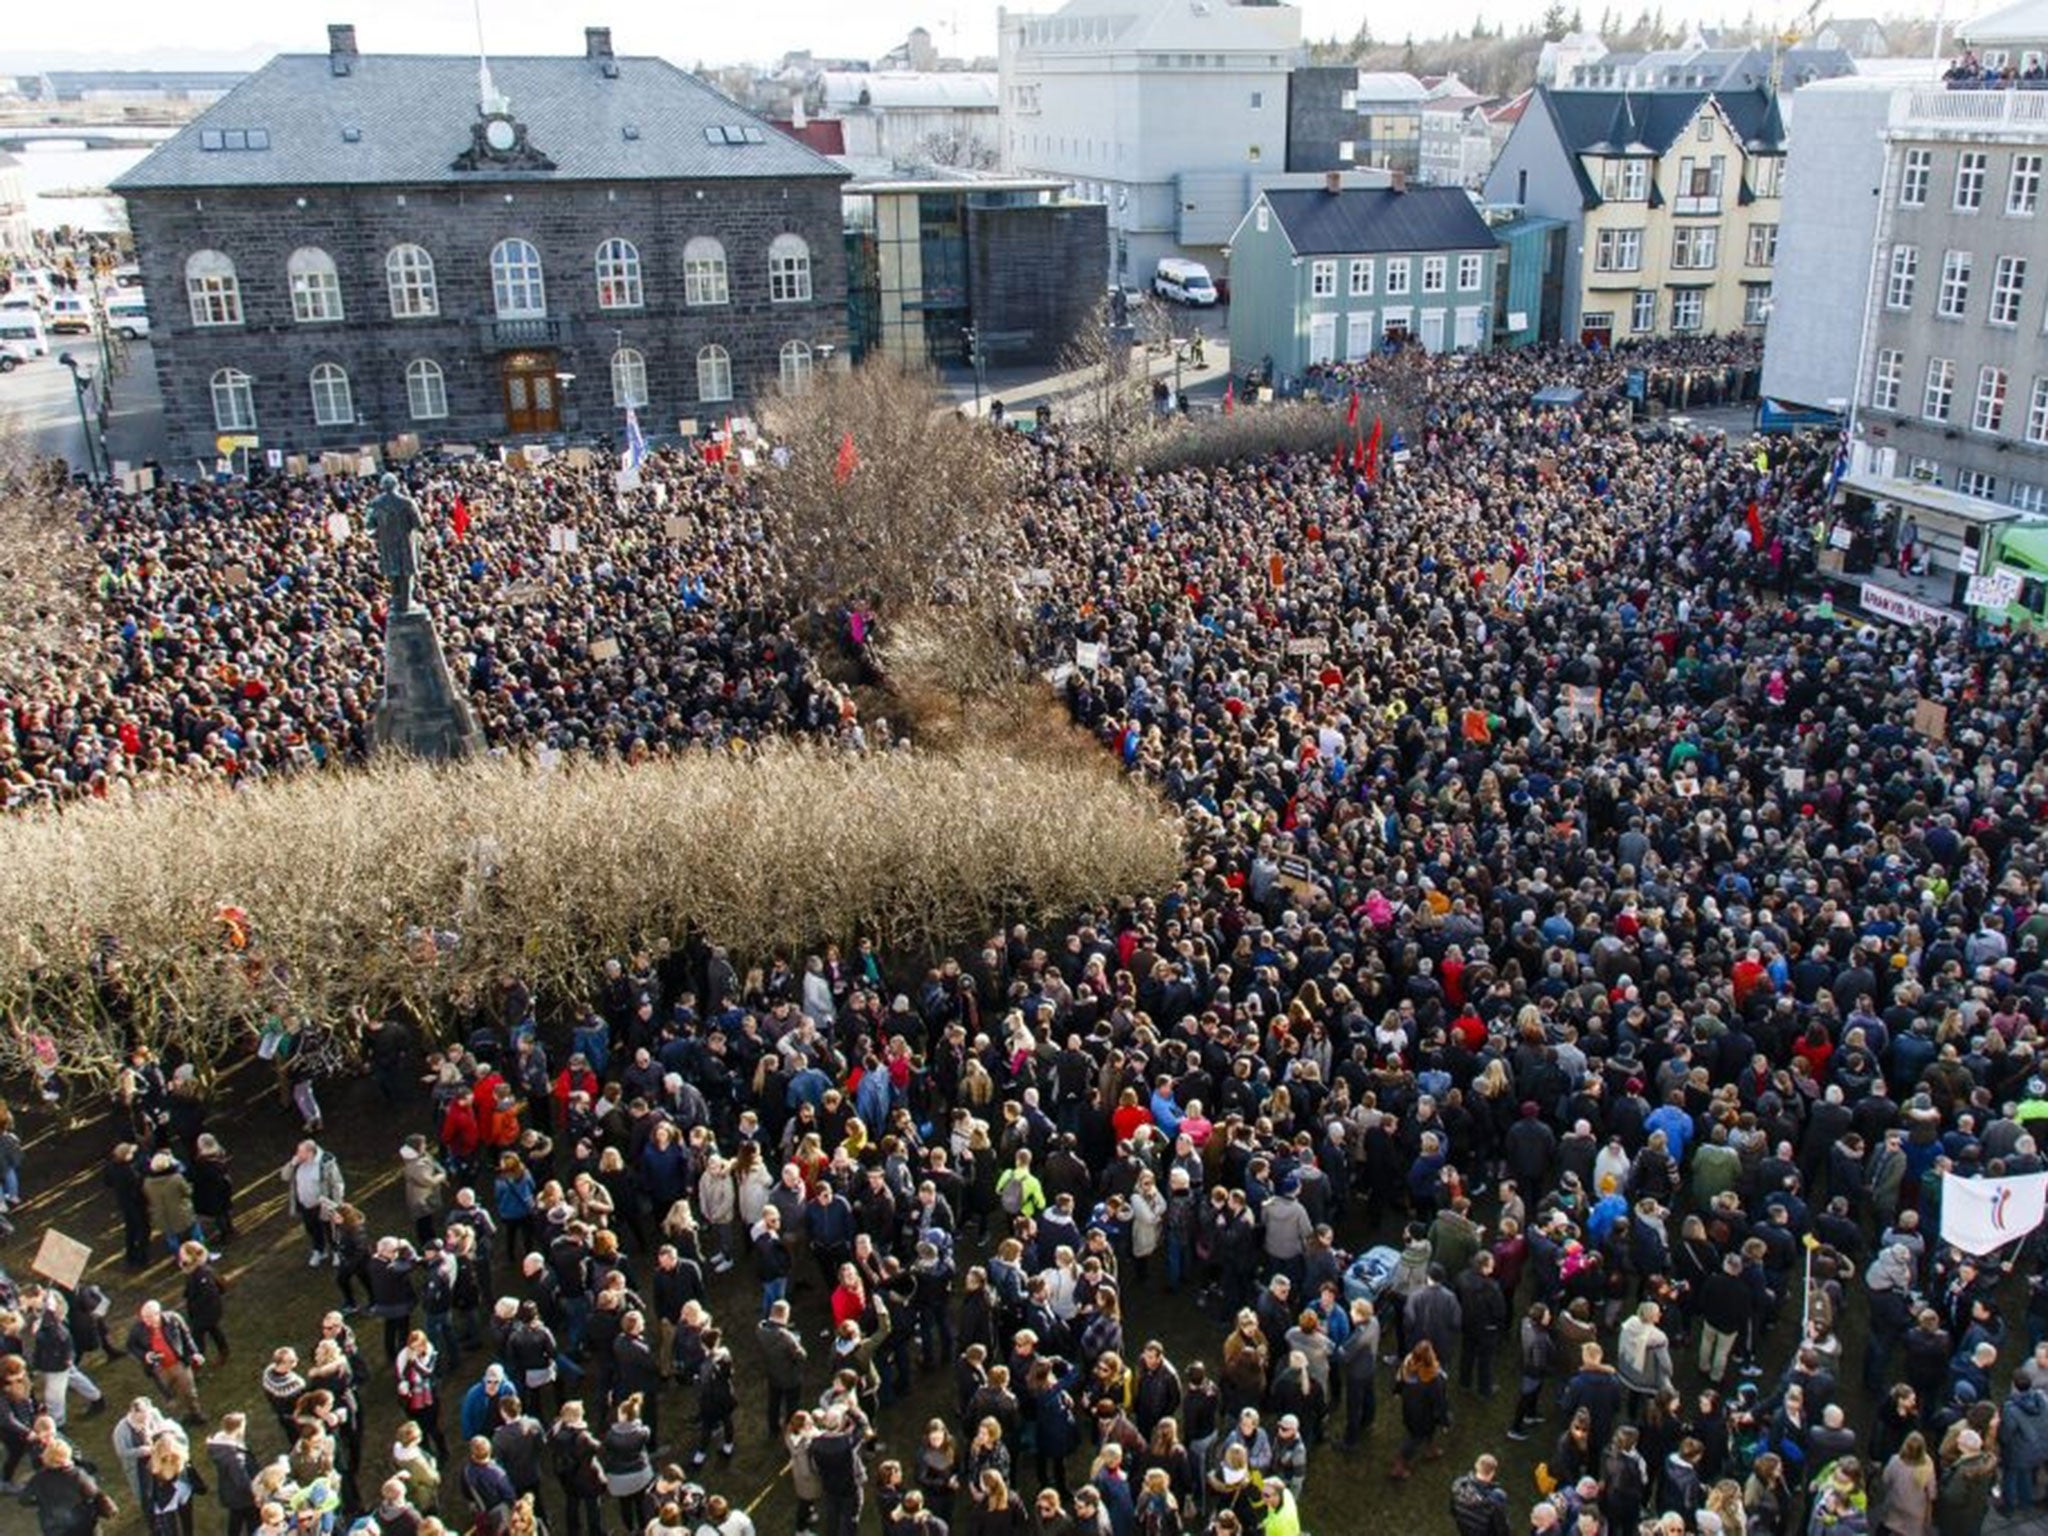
[[80, 384], [973, 338]]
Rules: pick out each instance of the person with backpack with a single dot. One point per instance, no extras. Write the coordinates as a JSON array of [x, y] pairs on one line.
[[1018, 1191], [1479, 1505]]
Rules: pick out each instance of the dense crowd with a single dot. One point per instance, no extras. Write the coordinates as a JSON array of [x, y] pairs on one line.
[[1582, 978]]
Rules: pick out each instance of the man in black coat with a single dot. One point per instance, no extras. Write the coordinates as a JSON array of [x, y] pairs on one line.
[[1479, 1505], [1597, 1389], [234, 1467], [635, 1369], [1483, 1318], [516, 1446], [782, 1360]]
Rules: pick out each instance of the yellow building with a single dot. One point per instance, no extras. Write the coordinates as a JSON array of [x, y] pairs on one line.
[[1672, 198]]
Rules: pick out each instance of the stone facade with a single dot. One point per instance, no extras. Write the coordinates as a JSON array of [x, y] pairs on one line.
[[1035, 270], [459, 224]]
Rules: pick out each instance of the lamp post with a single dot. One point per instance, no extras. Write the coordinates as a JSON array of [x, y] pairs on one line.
[[973, 338], [80, 383]]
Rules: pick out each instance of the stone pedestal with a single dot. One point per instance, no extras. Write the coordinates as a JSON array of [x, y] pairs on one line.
[[422, 712]]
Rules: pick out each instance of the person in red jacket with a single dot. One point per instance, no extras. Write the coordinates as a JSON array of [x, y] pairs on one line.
[[460, 1137], [573, 1079]]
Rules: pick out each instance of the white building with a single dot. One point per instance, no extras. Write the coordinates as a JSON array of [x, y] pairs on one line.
[[1556, 63], [949, 117], [1457, 141], [1167, 111]]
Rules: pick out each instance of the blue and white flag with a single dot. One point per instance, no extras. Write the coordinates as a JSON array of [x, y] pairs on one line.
[[636, 444]]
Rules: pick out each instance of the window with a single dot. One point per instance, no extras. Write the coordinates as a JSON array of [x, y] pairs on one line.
[[618, 275], [1699, 184], [629, 378], [426, 390], [1358, 336], [210, 285], [2008, 288], [1322, 279], [1347, 151], [1769, 175], [234, 401], [1919, 170], [1625, 181], [1433, 268], [795, 367], [1763, 246], [1688, 309], [1756, 303], [1970, 166], [1694, 248], [1397, 275], [517, 289], [332, 406], [1955, 285], [714, 374], [789, 270], [1975, 482], [409, 278], [1396, 323], [1471, 273], [2037, 412], [1898, 289], [1941, 388], [1643, 314], [1361, 279], [1706, 128], [1924, 470], [316, 286], [1884, 385], [704, 272], [1618, 250], [2023, 186], [1988, 415], [1258, 100], [2029, 498]]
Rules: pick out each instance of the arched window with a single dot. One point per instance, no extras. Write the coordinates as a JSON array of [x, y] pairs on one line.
[[210, 284], [704, 272], [789, 270], [332, 406], [618, 275], [234, 401], [409, 275], [629, 378], [516, 286], [316, 286], [426, 389], [796, 367], [714, 374]]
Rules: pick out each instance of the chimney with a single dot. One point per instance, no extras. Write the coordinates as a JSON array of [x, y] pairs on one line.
[[597, 43], [341, 47], [1333, 182], [1400, 180], [797, 119]]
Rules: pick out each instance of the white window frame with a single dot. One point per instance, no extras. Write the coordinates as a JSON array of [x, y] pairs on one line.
[[1915, 178], [1763, 246], [789, 270], [2008, 290], [426, 390], [2023, 186], [1360, 277], [705, 279], [1471, 272], [1987, 412], [1938, 394], [618, 275], [2037, 412], [334, 400], [315, 286], [1641, 323], [409, 282], [1435, 273], [1973, 168], [1887, 380], [1903, 278], [518, 280], [213, 289], [1980, 483], [629, 379], [1695, 247], [1952, 301], [1322, 279], [1618, 250], [234, 400], [1360, 335], [2026, 496], [1684, 300], [1756, 303], [794, 366], [714, 373], [1398, 273]]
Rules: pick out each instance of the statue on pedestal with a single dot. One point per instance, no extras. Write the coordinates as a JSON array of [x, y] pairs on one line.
[[395, 523], [423, 710]]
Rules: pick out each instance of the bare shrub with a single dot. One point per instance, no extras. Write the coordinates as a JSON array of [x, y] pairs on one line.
[[46, 570], [1302, 427], [410, 887]]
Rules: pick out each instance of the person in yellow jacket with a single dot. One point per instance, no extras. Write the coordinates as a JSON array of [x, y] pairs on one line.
[[1283, 1515]]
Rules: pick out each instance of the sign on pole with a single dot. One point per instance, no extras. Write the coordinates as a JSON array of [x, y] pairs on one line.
[[61, 1260]]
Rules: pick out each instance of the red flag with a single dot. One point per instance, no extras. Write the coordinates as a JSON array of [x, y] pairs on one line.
[[1756, 530], [458, 519], [1358, 453], [1372, 453], [1229, 396], [849, 460], [1337, 462], [1351, 411]]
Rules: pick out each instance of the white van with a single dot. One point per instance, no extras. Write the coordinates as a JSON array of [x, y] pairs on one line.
[[24, 328], [128, 319], [70, 315], [1185, 282]]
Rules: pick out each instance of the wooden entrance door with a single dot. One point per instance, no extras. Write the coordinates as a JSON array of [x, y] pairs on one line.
[[532, 398]]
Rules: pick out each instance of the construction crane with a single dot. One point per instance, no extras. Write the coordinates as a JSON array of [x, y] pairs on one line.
[[1797, 32]]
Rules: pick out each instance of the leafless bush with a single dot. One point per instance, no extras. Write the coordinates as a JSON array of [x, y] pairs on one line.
[[1304, 427], [411, 887], [46, 571]]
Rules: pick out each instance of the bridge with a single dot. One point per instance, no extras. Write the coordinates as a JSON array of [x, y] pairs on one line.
[[14, 141]]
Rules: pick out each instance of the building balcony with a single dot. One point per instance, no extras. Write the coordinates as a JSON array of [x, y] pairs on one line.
[[1971, 112], [496, 335], [1696, 205]]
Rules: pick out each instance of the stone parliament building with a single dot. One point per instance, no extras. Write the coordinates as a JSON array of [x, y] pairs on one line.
[[348, 247]]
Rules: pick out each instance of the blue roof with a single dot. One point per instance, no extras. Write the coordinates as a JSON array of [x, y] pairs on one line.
[[1363, 221]]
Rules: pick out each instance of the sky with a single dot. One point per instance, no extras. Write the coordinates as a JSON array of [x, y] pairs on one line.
[[241, 33]]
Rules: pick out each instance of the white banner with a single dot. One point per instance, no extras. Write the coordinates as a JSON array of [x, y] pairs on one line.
[[1982, 1215], [2000, 589], [1901, 609]]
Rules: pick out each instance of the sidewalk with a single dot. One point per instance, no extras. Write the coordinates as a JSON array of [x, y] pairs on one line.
[[1022, 388]]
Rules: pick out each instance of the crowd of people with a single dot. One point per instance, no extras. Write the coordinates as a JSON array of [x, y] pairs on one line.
[[1583, 978]]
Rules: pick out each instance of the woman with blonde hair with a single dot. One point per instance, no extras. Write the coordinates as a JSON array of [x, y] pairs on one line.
[[422, 1473], [169, 1488], [994, 1512], [1903, 1501]]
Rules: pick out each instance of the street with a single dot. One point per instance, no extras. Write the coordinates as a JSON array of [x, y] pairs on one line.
[[37, 399]]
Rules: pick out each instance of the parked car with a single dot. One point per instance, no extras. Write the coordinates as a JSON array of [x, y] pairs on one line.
[[13, 354], [1185, 282], [23, 327], [128, 318], [69, 316]]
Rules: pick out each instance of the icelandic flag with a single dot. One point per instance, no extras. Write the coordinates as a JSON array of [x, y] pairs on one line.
[[1839, 469], [1541, 572], [636, 443]]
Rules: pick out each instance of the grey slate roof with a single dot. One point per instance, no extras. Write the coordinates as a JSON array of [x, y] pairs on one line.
[[414, 113], [1361, 221], [1610, 122]]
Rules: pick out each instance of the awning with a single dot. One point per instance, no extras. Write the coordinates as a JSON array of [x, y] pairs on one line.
[[2026, 547]]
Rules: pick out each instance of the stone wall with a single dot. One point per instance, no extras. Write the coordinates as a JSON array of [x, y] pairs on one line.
[[459, 225], [1037, 269]]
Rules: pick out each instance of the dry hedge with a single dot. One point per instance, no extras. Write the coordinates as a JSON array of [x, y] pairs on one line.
[[413, 887]]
